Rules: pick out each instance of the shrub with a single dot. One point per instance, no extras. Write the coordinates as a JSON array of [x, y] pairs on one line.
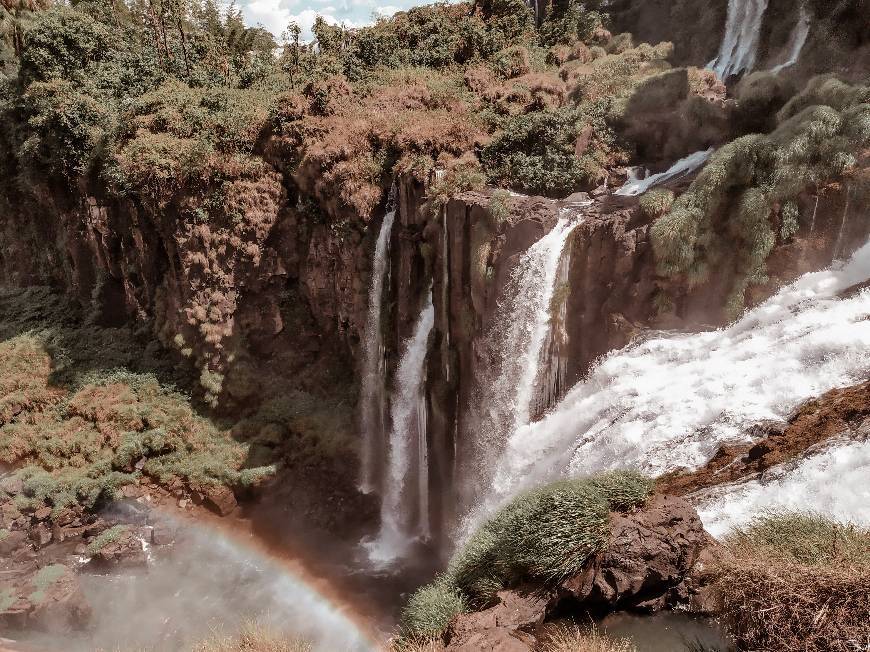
[[534, 153], [795, 581], [656, 203], [430, 610], [43, 579], [500, 205]]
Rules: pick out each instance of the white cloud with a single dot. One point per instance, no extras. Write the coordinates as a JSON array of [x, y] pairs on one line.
[[275, 15]]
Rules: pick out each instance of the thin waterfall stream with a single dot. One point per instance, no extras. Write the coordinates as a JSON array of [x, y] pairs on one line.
[[408, 427], [739, 47], [374, 372], [518, 340]]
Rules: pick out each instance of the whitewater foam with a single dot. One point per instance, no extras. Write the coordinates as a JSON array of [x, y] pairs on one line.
[[669, 402], [833, 483]]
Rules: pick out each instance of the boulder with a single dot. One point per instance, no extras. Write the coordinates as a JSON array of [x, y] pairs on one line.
[[505, 627], [649, 552], [219, 499], [494, 639], [123, 549], [11, 541]]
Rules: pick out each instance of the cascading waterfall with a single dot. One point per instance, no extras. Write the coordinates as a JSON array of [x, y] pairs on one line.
[[553, 367], [686, 165], [372, 406], [842, 224], [408, 423], [517, 342], [806, 486], [670, 401], [796, 40], [739, 47]]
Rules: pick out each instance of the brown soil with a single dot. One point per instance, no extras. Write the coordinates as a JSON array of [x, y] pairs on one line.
[[816, 421]]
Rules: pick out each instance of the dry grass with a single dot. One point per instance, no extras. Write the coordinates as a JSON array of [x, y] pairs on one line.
[[795, 582], [574, 639], [254, 637]]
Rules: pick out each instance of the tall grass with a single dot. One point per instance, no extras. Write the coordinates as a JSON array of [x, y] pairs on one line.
[[793, 581]]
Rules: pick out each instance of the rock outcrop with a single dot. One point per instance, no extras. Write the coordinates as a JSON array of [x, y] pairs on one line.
[[44, 598], [648, 557]]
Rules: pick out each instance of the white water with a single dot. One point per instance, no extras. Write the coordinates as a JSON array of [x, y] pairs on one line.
[[796, 40], [834, 483], [670, 401], [739, 47], [637, 186], [517, 341], [405, 407], [374, 372]]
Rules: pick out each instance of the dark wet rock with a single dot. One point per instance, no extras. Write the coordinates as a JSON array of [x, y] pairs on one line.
[[648, 554]]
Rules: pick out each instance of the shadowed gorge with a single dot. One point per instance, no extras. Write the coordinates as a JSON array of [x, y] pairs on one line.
[[490, 325]]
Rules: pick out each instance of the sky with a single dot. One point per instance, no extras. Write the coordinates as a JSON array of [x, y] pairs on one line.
[[274, 15]]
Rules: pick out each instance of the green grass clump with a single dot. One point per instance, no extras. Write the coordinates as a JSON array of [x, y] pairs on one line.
[[44, 579], [107, 537], [4, 533], [547, 534], [623, 490], [807, 538], [7, 599], [656, 202], [430, 610]]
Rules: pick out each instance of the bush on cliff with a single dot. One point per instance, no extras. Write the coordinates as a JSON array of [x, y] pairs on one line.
[[78, 423], [746, 180], [794, 581], [546, 534]]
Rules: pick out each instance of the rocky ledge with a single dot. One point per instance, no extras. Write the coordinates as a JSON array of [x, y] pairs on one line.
[[646, 565]]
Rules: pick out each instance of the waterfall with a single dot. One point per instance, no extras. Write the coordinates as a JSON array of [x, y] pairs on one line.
[[815, 210], [553, 367], [668, 402], [372, 405], [637, 186], [796, 40], [742, 34], [424, 529], [805, 486], [515, 343], [407, 412], [842, 224]]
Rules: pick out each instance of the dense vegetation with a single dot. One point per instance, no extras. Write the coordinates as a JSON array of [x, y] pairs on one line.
[[546, 534], [84, 412]]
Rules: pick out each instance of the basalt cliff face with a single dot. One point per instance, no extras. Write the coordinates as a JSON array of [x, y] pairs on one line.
[[291, 310]]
